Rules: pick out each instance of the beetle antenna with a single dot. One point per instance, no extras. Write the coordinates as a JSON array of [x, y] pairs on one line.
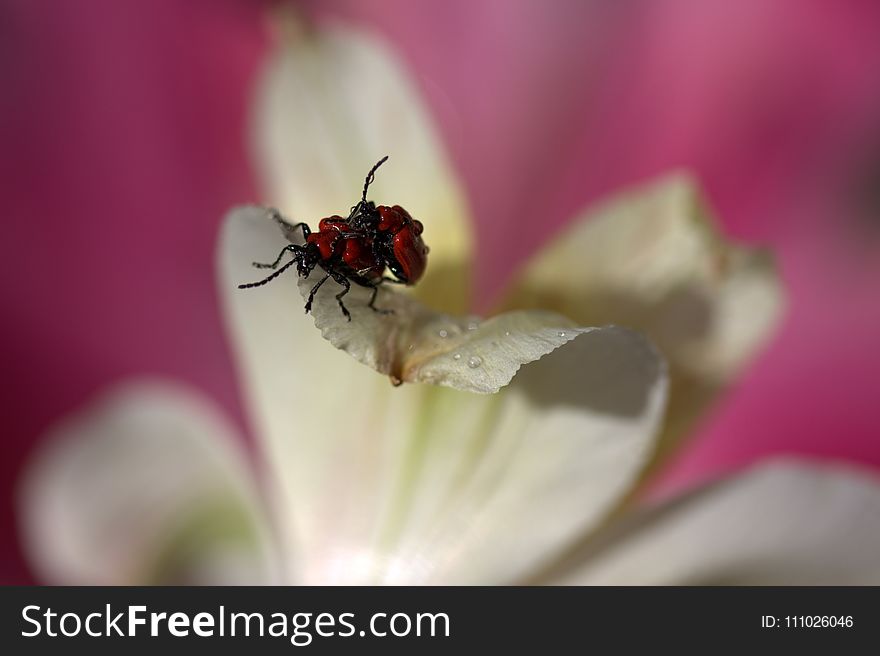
[[370, 177]]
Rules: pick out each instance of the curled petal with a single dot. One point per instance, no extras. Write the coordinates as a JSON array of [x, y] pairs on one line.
[[412, 343], [493, 488]]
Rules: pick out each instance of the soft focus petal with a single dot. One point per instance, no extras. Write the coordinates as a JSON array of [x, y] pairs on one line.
[[145, 486], [330, 105], [653, 260], [419, 482], [780, 524]]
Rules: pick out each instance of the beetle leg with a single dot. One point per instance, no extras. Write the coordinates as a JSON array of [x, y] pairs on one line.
[[315, 291], [287, 227], [342, 280], [372, 302], [306, 230]]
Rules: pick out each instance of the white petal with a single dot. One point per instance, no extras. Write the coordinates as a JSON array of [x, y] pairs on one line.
[[331, 103], [145, 486], [424, 483], [494, 487], [652, 259], [780, 524], [411, 343], [305, 398]]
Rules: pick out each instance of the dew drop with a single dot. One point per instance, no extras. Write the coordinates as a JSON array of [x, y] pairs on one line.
[[561, 333], [475, 361], [457, 356], [473, 324], [443, 333], [507, 333]]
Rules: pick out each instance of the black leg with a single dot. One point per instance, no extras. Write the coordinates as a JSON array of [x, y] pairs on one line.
[[342, 280], [306, 230], [260, 265], [288, 228], [262, 282], [373, 300], [315, 291]]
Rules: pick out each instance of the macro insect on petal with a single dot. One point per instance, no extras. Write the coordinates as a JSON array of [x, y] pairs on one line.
[[356, 249]]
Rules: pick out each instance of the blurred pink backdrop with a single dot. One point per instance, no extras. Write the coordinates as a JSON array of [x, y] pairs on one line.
[[122, 128]]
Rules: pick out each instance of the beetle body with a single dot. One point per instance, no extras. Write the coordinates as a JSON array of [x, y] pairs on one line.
[[341, 247], [406, 254], [356, 249]]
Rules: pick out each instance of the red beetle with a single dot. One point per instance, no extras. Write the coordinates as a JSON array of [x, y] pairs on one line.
[[408, 252], [355, 249]]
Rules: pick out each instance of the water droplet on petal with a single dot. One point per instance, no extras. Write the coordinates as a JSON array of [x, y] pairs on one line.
[[443, 333], [457, 356], [475, 361], [507, 333], [561, 333], [473, 324]]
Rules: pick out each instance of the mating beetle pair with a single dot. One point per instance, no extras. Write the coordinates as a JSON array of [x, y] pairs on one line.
[[355, 249]]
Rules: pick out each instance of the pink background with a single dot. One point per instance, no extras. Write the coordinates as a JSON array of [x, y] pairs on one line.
[[121, 145]]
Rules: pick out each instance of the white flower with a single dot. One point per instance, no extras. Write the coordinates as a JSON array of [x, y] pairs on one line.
[[356, 481]]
